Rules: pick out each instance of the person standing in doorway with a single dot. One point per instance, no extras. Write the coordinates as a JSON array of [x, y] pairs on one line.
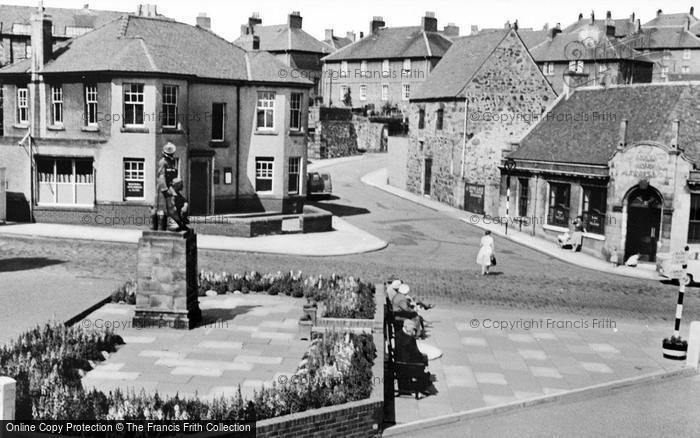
[[487, 253]]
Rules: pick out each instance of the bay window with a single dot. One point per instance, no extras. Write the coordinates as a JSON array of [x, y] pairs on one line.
[[65, 181]]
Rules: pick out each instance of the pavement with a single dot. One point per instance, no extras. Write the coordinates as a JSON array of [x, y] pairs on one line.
[[495, 357], [666, 407], [378, 179], [329, 162], [343, 240], [249, 340]]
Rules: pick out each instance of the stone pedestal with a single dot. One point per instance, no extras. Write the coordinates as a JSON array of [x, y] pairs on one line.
[[7, 398], [167, 280]]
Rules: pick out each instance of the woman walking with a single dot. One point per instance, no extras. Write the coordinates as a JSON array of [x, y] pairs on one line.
[[486, 253]]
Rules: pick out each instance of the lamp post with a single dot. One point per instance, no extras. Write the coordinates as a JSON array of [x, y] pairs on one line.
[[509, 165]]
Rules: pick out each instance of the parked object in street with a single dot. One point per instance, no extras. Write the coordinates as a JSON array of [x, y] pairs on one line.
[[319, 183]]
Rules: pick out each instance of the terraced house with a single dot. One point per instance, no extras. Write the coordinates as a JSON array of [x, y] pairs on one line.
[[384, 68], [484, 94], [93, 115]]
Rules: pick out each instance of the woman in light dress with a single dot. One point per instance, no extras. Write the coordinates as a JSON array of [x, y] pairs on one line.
[[486, 252]]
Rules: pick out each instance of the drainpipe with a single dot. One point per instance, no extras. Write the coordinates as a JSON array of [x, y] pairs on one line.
[[238, 140], [535, 210], [464, 137]]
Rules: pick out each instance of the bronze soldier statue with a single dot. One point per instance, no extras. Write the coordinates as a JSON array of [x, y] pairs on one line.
[[167, 172]]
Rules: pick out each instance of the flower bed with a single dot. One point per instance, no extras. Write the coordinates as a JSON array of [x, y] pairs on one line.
[[49, 362], [341, 297]]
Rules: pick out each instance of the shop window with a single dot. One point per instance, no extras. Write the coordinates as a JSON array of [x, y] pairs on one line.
[[263, 174], [65, 181], [523, 195], [594, 200], [294, 173], [558, 207], [134, 178], [694, 222]]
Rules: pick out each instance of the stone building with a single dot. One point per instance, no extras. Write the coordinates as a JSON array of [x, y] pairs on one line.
[[97, 120], [623, 158], [383, 69], [298, 50], [485, 93]]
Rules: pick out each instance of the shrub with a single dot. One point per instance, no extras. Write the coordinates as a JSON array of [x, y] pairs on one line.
[[126, 294]]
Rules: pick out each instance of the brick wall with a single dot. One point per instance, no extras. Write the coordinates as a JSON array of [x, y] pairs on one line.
[[505, 96]]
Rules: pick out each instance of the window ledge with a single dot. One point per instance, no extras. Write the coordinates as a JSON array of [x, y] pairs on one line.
[[90, 129], [594, 236], [56, 128], [294, 133], [172, 131], [20, 125], [265, 132], [134, 129], [555, 228], [219, 144]]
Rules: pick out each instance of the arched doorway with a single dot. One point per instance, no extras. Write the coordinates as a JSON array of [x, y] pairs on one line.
[[643, 222]]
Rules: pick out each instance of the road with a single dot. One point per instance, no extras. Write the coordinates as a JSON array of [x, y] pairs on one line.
[[433, 253], [662, 409]]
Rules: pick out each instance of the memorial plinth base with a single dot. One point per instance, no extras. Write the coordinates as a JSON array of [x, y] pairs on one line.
[[167, 280]]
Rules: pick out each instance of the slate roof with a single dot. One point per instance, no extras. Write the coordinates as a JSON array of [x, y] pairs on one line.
[[458, 66], [623, 26], [649, 109], [671, 20], [61, 17], [159, 46], [282, 38], [395, 42], [663, 38], [338, 42], [533, 37], [565, 47]]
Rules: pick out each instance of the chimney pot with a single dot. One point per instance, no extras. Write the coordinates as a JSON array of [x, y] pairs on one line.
[[608, 15], [592, 17], [580, 16], [203, 21], [632, 18]]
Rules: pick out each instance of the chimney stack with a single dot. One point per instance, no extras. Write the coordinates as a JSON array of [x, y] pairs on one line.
[[474, 29], [249, 42], [622, 141], [41, 40], [429, 22], [659, 12], [329, 35], [580, 16], [555, 31], [147, 10], [608, 15], [203, 21], [609, 25], [632, 18], [294, 20], [350, 36], [253, 20], [376, 24], [451, 30], [692, 10], [592, 18], [637, 26]]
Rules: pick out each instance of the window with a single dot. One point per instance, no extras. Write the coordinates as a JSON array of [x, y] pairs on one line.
[[594, 200], [23, 29], [385, 68], [27, 50], [74, 31], [65, 181], [558, 212], [576, 66], [694, 223], [344, 68], [685, 69], [363, 68], [295, 112], [664, 72], [22, 105], [263, 174], [439, 119], [134, 178], [385, 92], [523, 196], [169, 106], [363, 92], [56, 105], [294, 173], [91, 105], [133, 104], [406, 91], [421, 118], [548, 68], [406, 68], [686, 53], [266, 110], [218, 121], [228, 175], [344, 90]]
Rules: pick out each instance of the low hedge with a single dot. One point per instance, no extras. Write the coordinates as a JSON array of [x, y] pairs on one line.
[[48, 364], [342, 297]]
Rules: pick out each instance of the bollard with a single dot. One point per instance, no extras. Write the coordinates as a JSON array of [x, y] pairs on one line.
[[693, 345], [7, 398], [674, 347]]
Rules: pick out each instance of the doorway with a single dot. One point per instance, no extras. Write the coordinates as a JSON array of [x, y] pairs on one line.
[[427, 175], [643, 223], [199, 187]]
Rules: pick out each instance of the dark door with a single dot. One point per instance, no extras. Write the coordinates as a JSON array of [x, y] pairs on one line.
[[428, 175], [199, 187], [474, 198], [643, 224]]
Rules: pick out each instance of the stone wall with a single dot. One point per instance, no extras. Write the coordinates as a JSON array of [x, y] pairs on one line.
[[504, 97], [332, 139], [398, 157], [369, 134]]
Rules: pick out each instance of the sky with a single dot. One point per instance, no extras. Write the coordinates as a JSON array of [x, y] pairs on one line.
[[355, 15]]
